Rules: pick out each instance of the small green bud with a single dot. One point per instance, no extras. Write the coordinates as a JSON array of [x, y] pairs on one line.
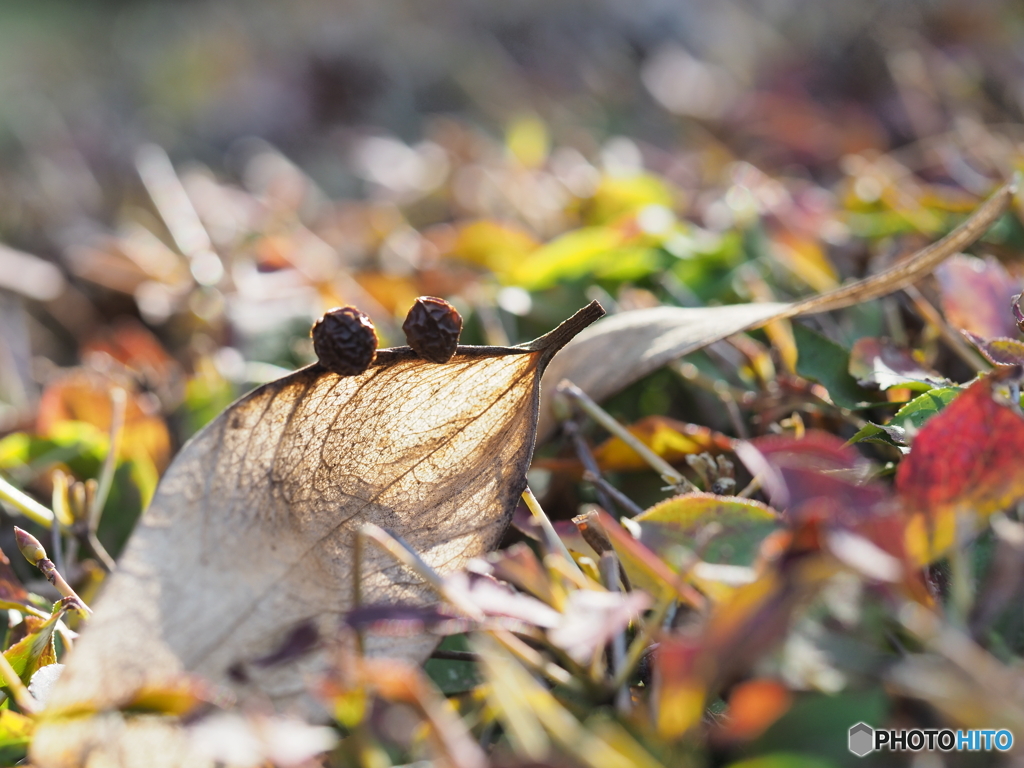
[[29, 546]]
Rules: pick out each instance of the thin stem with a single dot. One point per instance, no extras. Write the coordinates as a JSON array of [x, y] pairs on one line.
[[641, 641], [100, 551], [953, 339], [408, 557], [668, 473], [752, 487], [586, 457], [609, 567], [533, 659], [555, 542], [119, 404], [25, 504], [621, 499], [33, 551]]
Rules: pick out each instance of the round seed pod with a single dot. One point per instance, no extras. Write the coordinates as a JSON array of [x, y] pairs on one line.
[[345, 341], [432, 328]]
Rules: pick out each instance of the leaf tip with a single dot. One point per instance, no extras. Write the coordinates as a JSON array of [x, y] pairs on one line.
[[554, 340]]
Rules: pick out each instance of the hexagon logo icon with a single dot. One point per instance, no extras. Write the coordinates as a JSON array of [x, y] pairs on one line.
[[862, 739]]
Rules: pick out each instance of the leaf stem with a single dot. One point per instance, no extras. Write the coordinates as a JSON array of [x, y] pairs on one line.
[[912, 269]]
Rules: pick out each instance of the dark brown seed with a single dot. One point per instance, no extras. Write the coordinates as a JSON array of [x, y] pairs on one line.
[[432, 328], [345, 341]]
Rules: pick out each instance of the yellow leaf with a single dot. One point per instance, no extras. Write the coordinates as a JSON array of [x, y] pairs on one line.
[[492, 244], [806, 259], [528, 141], [672, 440], [570, 256], [618, 196]]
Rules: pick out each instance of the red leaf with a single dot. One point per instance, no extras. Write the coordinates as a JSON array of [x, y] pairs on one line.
[[965, 459]]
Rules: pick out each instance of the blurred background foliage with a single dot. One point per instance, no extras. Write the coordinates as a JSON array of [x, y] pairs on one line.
[[185, 186]]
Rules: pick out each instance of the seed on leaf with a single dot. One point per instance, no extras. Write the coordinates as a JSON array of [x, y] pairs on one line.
[[432, 328], [345, 341]]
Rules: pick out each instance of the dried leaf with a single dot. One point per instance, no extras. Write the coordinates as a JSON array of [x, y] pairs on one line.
[[622, 349], [672, 440], [251, 530]]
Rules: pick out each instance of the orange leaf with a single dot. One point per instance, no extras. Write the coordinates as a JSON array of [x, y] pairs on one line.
[[753, 706], [84, 395]]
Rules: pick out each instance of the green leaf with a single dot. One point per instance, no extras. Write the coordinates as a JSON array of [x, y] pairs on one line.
[[450, 675], [876, 433], [740, 526], [35, 649], [923, 407], [822, 360], [15, 735], [783, 760]]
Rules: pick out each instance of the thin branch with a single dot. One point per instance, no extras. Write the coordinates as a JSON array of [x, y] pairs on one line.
[[668, 473], [951, 337], [627, 504]]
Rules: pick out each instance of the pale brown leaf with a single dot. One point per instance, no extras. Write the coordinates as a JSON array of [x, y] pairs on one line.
[[624, 348], [251, 530]]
